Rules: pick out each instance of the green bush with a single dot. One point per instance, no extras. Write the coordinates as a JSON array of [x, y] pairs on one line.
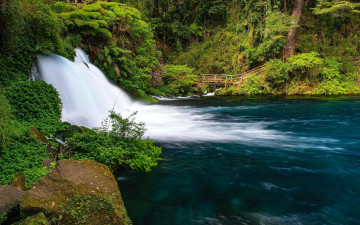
[[116, 144], [134, 153], [5, 121], [36, 104], [253, 85], [28, 28], [334, 81], [306, 64], [23, 153], [180, 80], [308, 73], [277, 72]]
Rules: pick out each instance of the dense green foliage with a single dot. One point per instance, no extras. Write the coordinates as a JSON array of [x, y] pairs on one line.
[[19, 149], [254, 32], [36, 104], [306, 73], [5, 120], [116, 144], [22, 153], [27, 28], [119, 41], [179, 80]]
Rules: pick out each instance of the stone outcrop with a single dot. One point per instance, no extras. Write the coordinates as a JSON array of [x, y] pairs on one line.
[[74, 182], [9, 199]]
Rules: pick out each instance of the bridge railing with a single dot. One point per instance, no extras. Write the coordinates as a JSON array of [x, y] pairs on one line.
[[225, 79]]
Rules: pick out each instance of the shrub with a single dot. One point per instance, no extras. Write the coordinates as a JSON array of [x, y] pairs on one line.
[[117, 147], [23, 153], [277, 72], [305, 65], [5, 121], [36, 104], [254, 85], [180, 79]]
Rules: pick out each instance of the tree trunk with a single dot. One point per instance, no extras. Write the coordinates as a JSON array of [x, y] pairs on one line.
[[291, 39], [156, 11]]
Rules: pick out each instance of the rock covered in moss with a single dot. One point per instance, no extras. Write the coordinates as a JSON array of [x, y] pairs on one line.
[[9, 199], [37, 219], [73, 182], [19, 182]]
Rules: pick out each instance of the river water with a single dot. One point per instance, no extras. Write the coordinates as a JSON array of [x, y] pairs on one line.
[[251, 161]]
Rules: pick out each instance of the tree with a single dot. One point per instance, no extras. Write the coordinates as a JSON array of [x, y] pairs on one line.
[[291, 39], [336, 8]]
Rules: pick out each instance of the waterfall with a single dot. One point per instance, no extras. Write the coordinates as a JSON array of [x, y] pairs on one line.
[[87, 97], [86, 94]]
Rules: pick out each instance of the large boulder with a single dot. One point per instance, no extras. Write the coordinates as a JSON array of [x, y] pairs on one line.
[[9, 200], [74, 183]]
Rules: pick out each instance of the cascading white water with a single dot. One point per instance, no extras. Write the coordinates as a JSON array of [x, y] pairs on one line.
[[88, 96]]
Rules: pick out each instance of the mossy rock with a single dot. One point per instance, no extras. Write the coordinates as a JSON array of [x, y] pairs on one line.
[[9, 198], [37, 219], [19, 182], [93, 209], [69, 181]]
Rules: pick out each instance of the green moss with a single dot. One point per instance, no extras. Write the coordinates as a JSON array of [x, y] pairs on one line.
[[37, 219], [97, 209]]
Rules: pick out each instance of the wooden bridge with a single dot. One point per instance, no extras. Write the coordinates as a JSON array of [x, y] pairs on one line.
[[225, 80]]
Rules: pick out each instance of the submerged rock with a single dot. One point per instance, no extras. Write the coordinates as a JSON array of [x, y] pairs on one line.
[[72, 183]]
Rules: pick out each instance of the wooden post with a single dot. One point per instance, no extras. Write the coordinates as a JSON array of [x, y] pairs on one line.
[[226, 82], [215, 82]]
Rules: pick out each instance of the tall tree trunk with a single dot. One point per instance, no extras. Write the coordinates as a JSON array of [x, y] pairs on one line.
[[156, 10], [291, 39]]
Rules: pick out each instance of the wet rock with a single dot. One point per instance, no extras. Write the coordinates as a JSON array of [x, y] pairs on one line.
[[19, 182], [72, 183]]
